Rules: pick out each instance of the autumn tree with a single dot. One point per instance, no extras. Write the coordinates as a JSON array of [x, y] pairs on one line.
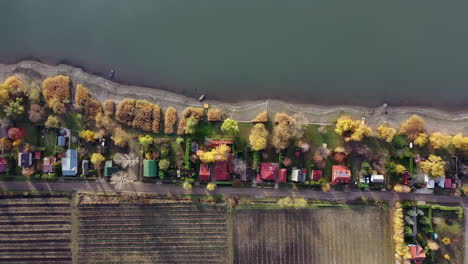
[[298, 125], [86, 103], [88, 135], [182, 126], [5, 145], [258, 137], [214, 114], [57, 87], [156, 125], [230, 127], [97, 159], [401, 249], [282, 131], [412, 127], [13, 82], [261, 118], [211, 186], [440, 141], [143, 115], [352, 130], [15, 108], [126, 111], [191, 126], [386, 132], [400, 169], [460, 142], [52, 122], [421, 140], [109, 107], [434, 166], [36, 113], [120, 137], [164, 164], [170, 120], [145, 141], [15, 133], [57, 106], [220, 153]]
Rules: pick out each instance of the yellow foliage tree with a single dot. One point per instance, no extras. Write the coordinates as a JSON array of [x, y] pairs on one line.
[[258, 137], [56, 87], [211, 186], [446, 241], [120, 137], [187, 186], [412, 127], [421, 140], [401, 249], [109, 107], [434, 166], [214, 114], [352, 130], [294, 202], [401, 188], [400, 169], [282, 131], [88, 135], [439, 140], [460, 142], [220, 153], [170, 120], [13, 82], [261, 118], [386, 133]]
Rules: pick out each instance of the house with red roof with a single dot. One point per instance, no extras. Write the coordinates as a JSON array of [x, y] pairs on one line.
[[48, 164], [417, 254], [340, 174], [269, 171], [215, 143], [3, 165], [282, 175], [205, 173], [316, 175]]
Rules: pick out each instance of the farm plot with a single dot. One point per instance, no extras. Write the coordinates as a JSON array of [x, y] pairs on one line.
[[152, 233], [325, 236], [35, 230]]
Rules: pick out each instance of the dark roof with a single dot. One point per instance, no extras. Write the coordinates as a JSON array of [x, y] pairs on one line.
[[269, 171]]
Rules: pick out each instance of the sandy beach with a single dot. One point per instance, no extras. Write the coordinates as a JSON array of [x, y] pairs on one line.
[[436, 119]]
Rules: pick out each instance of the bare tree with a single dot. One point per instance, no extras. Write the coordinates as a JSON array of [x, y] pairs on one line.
[[126, 160], [120, 179], [239, 166]]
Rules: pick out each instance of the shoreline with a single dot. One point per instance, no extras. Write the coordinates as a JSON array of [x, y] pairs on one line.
[[101, 88]]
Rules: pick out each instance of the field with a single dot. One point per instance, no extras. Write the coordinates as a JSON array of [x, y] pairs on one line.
[[35, 230], [325, 236], [152, 233]]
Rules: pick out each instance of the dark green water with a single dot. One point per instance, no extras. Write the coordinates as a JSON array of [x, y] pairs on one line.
[[361, 52]]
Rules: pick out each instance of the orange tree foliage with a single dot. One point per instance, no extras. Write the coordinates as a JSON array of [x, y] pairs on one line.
[[56, 87], [412, 127], [87, 104], [15, 133], [109, 107], [143, 115], [282, 131], [214, 114], [156, 118], [197, 113], [5, 144], [120, 137], [57, 106], [261, 118], [182, 126], [126, 111], [13, 82], [170, 120]]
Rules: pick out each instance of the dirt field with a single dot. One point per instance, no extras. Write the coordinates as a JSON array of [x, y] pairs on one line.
[[35, 230], [322, 236]]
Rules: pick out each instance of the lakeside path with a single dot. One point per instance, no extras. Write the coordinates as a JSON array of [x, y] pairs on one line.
[[102, 89], [227, 191]]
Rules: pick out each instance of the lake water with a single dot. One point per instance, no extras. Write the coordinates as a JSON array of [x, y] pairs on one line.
[[361, 52]]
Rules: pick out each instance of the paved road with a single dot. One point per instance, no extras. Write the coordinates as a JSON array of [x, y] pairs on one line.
[[227, 191]]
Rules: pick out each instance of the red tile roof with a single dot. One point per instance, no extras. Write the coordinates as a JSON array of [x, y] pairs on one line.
[[221, 171], [214, 143], [316, 175], [283, 175], [340, 174], [417, 253], [269, 171], [204, 172], [448, 183]]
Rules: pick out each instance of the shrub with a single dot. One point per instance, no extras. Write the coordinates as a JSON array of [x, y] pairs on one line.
[[56, 87], [49, 177], [179, 140], [52, 122], [88, 135], [399, 141], [57, 106], [292, 202], [261, 118], [15, 108], [191, 126], [164, 164], [211, 186], [214, 114], [188, 146], [230, 127], [187, 186], [109, 107], [446, 241], [170, 120]]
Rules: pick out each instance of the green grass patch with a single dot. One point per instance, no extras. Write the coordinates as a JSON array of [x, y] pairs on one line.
[[74, 122]]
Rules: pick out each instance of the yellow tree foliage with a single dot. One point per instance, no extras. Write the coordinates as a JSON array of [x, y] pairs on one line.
[[13, 82], [126, 111], [439, 140], [211, 186], [282, 131], [197, 113], [109, 107], [412, 127], [294, 202], [156, 126], [56, 87], [5, 144], [53, 122], [104, 121], [88, 135], [460, 142], [400, 169], [434, 166], [144, 115], [57, 106], [182, 126], [386, 133], [401, 249], [187, 186], [120, 137], [421, 140], [258, 137], [261, 118], [84, 102], [220, 153], [401, 188], [97, 159], [283, 118], [4, 94], [352, 130], [170, 120], [214, 114]]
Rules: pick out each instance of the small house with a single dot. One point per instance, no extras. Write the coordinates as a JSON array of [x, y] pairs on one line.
[[247, 175], [109, 169], [449, 184], [205, 174], [70, 163], [48, 164], [441, 182], [340, 174], [37, 155], [377, 178], [417, 253], [3, 165], [215, 143], [298, 175], [61, 141], [269, 171], [316, 175], [221, 171], [283, 173], [25, 159], [85, 167], [149, 168], [430, 184]]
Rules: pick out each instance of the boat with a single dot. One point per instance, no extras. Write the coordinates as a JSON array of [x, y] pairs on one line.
[[111, 73], [201, 97]]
